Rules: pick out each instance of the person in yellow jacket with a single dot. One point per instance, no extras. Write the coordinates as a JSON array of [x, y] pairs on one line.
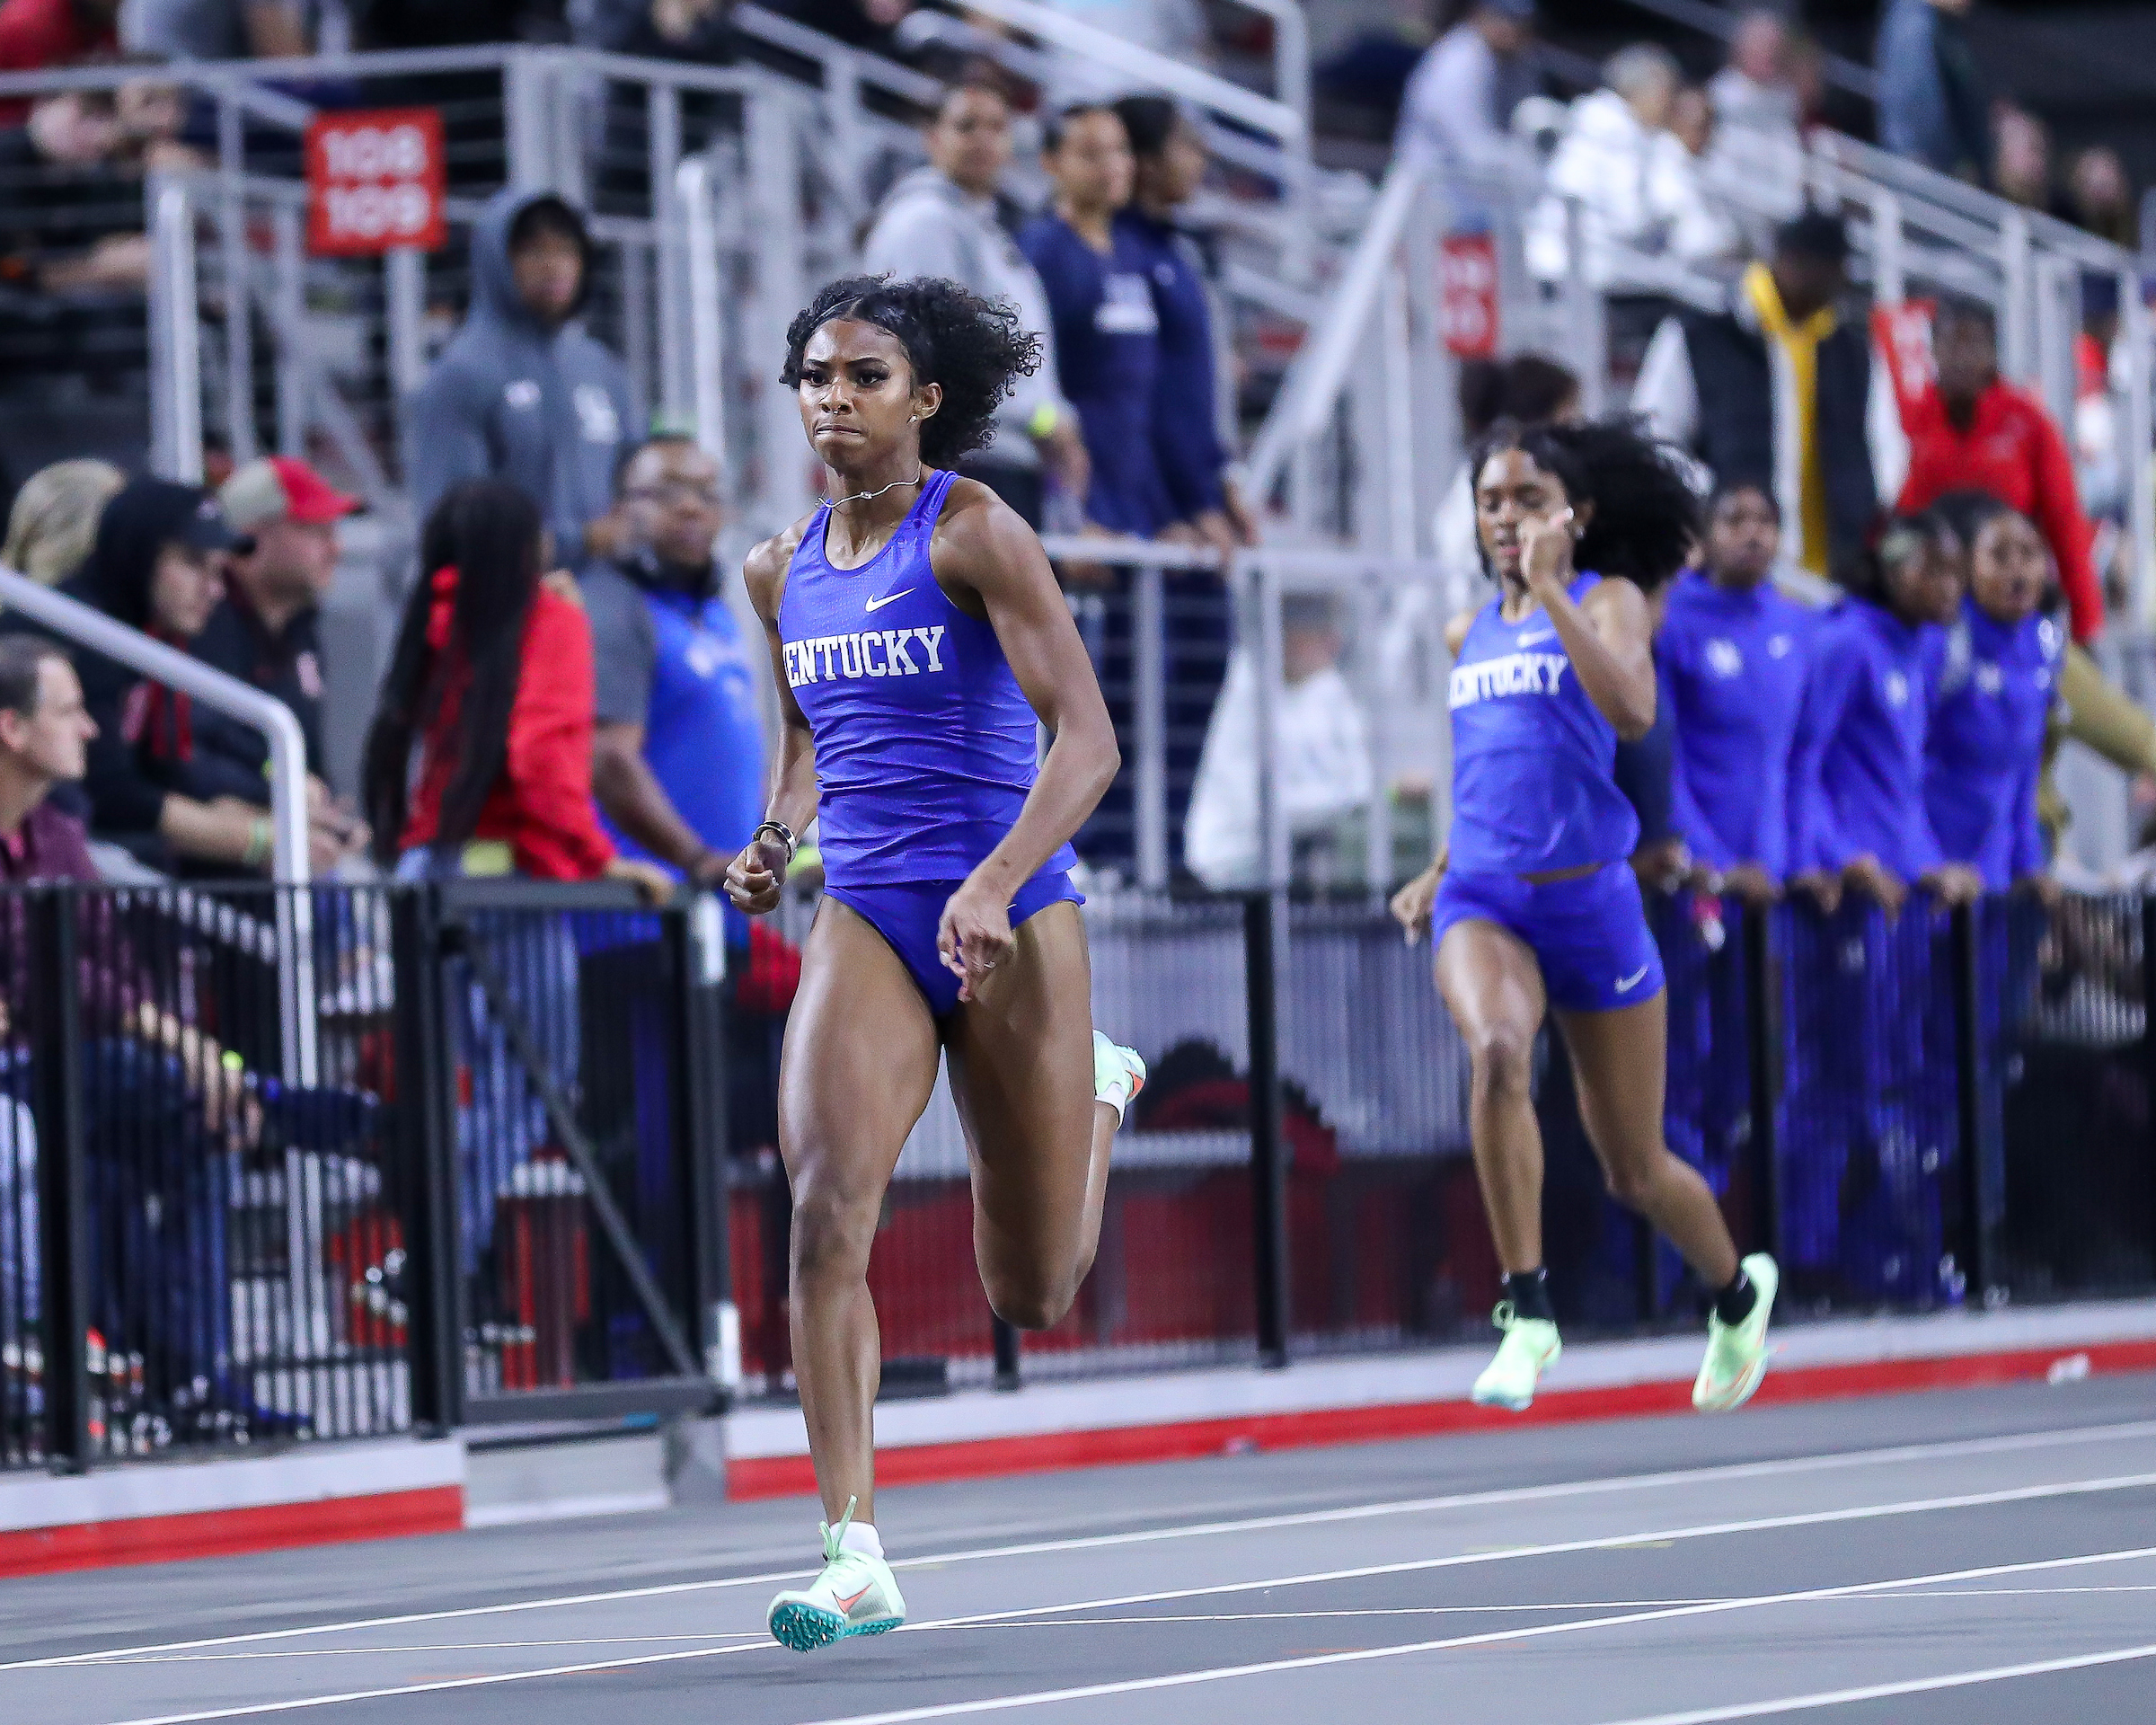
[[2093, 710]]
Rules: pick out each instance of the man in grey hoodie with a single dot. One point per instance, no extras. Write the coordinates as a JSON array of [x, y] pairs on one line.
[[940, 220], [522, 392]]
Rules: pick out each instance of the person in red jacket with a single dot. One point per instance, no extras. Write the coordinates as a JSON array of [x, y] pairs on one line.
[[1972, 432], [481, 749], [35, 34]]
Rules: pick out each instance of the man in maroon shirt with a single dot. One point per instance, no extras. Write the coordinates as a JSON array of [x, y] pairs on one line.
[[154, 1149]]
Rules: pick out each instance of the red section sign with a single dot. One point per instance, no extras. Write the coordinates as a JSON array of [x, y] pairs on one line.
[[377, 181], [1901, 335], [1470, 279]]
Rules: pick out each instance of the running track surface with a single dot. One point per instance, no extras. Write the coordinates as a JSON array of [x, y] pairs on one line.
[[1984, 1556]]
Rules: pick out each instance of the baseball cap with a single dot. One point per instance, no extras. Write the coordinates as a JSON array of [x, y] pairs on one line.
[[279, 487]]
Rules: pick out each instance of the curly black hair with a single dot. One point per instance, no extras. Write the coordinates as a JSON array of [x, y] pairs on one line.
[[1647, 516], [972, 347]]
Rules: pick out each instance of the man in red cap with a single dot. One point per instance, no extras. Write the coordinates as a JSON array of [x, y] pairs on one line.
[[268, 632]]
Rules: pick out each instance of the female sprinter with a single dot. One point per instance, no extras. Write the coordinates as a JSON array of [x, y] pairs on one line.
[[918, 638], [1531, 904]]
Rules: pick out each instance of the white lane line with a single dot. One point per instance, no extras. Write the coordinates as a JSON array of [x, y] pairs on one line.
[[426, 1647], [1557, 1548], [257, 1709], [2008, 1443], [1912, 1687], [1533, 1631]]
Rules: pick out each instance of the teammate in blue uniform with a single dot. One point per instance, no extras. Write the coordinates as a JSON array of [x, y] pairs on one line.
[[1991, 697], [1531, 905], [920, 641]]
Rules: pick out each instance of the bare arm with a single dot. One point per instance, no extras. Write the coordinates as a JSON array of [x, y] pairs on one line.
[[984, 553], [758, 870], [1610, 639], [637, 804], [225, 831]]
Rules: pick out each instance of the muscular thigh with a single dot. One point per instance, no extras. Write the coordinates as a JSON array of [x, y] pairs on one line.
[[1491, 984], [1619, 1068], [1022, 1070], [859, 1060]]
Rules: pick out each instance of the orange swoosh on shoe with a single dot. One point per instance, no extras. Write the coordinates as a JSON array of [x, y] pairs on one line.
[[848, 1605]]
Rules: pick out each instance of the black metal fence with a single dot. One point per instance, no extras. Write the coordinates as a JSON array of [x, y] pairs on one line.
[[281, 1164]]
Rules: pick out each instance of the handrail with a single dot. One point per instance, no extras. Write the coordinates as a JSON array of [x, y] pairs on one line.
[[85, 626], [1721, 23], [1320, 370], [175, 334], [829, 52], [707, 383], [1269, 115]]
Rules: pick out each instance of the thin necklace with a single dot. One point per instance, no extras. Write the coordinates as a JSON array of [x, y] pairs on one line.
[[869, 496]]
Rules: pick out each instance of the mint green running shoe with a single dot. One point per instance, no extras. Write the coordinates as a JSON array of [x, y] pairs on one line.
[[1118, 1074], [1737, 1353], [1530, 1348], [856, 1595]]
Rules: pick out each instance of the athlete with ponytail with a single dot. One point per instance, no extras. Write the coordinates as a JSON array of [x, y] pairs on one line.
[[1531, 905]]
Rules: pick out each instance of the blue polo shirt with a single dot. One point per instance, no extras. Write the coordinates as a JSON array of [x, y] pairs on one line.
[[672, 660]]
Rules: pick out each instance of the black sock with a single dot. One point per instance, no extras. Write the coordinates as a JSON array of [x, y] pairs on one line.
[[1734, 1303], [1529, 1292]]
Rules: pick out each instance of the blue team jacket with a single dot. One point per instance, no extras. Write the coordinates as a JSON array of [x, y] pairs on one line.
[[1858, 777], [1733, 667], [1186, 426], [1107, 356], [1991, 695]]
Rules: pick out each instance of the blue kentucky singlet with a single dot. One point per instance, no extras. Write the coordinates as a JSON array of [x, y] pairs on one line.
[[1534, 785], [925, 747]]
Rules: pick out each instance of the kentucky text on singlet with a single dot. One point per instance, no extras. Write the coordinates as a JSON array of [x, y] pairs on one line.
[[925, 747], [1534, 784]]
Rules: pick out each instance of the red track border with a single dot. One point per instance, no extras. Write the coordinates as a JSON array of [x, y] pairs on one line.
[[776, 1476], [223, 1533]]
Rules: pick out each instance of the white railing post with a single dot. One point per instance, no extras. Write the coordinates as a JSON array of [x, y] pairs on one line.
[[2017, 355], [1263, 585], [289, 294], [675, 393], [526, 132], [2140, 436], [1587, 335], [239, 319], [1889, 267], [781, 289], [176, 335], [706, 331], [1149, 715]]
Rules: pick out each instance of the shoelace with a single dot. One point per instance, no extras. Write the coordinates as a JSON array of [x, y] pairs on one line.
[[833, 1536]]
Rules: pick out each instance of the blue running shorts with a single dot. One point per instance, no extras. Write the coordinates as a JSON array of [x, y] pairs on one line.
[[1590, 935], [906, 916]]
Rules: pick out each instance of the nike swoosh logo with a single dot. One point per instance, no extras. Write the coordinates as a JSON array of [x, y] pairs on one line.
[[848, 1605], [1628, 984], [878, 605], [1539, 634]]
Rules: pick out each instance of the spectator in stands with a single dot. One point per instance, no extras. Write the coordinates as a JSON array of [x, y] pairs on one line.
[[1326, 771], [1758, 141], [267, 633], [1859, 820], [1778, 393], [1457, 109], [521, 393], [678, 754], [1932, 106], [53, 522], [36, 35], [670, 30], [480, 758], [1733, 654], [157, 566], [159, 1096], [1171, 166], [219, 30], [2099, 197], [70, 218], [1973, 431], [1100, 303], [943, 220], [1637, 189], [1997, 682], [2021, 160]]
